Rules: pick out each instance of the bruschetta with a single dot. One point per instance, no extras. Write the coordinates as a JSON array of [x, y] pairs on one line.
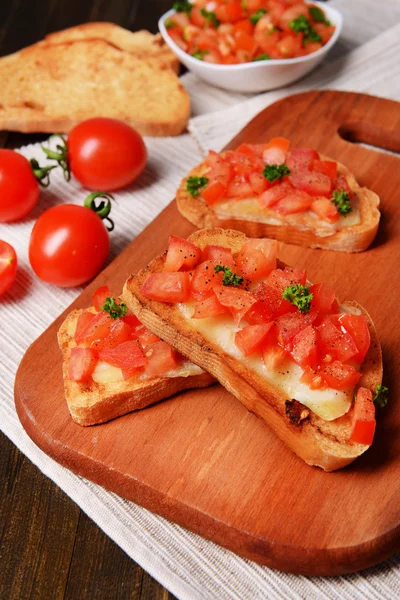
[[287, 349], [294, 195], [113, 365]]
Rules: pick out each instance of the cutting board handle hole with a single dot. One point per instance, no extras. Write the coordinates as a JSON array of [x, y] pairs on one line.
[[374, 136]]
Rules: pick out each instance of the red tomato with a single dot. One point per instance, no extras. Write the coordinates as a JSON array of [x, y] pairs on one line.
[[341, 185], [176, 36], [289, 46], [258, 182], [328, 167], [105, 154], [301, 159], [247, 149], [273, 357], [244, 41], [274, 155], [119, 332], [210, 307], [19, 190], [357, 327], [335, 343], [325, 31], [128, 355], [146, 337], [181, 19], [197, 18], [160, 359], [310, 48], [315, 184], [230, 12], [323, 297], [279, 142], [236, 301], [213, 192], [130, 320], [92, 329], [100, 296], [282, 278], [289, 325], [304, 348], [82, 362], [339, 376], [181, 254], [8, 266], [294, 202], [69, 244], [239, 189], [292, 13], [83, 321], [219, 256], [203, 280], [363, 421], [325, 209], [250, 339], [244, 26], [269, 305], [257, 258], [274, 194], [312, 378], [166, 287]]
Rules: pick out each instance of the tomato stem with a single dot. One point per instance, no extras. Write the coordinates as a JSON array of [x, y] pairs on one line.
[[103, 208], [42, 174], [60, 155]]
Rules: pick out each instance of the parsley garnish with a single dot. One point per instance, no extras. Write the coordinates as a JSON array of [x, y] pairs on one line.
[[262, 57], [275, 172], [200, 54], [303, 25], [299, 296], [116, 311], [257, 16], [342, 202], [211, 17], [169, 23], [183, 6], [318, 15], [194, 184], [381, 396], [229, 278]]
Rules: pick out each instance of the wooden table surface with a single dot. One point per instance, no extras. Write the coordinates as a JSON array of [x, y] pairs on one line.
[[49, 549]]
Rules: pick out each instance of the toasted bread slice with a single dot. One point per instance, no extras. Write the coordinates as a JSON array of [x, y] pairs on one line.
[[93, 402], [141, 44], [51, 88], [317, 441], [355, 238]]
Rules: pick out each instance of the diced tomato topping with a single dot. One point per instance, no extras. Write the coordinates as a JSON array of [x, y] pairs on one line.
[[181, 254], [327, 167], [301, 159], [274, 194], [127, 356], [279, 142], [315, 184], [323, 297], [220, 169], [98, 327], [176, 36], [269, 305], [166, 287], [204, 279], [130, 320], [325, 209], [146, 337], [313, 379], [119, 332], [243, 26], [246, 42], [100, 296], [340, 376], [258, 182], [213, 192], [210, 307], [160, 358], [247, 149], [334, 343], [230, 13], [294, 202], [282, 278], [363, 421], [289, 46], [304, 348], [236, 301], [239, 189], [357, 327], [219, 256], [82, 362], [197, 18], [289, 325], [273, 357], [83, 321], [257, 258], [251, 338], [341, 185]]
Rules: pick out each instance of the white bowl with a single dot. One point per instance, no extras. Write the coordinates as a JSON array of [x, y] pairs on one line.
[[256, 76]]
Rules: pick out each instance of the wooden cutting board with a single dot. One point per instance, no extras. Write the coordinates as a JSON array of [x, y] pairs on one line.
[[201, 459]]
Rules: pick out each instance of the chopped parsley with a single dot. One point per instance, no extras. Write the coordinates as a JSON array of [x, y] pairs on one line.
[[275, 172], [211, 17], [230, 278], [200, 54], [183, 6], [257, 16], [342, 202], [318, 15], [381, 396], [302, 25], [261, 57], [299, 296], [115, 310], [194, 184]]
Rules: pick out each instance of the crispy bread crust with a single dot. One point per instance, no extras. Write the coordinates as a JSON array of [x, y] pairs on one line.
[[322, 443], [92, 403], [350, 239]]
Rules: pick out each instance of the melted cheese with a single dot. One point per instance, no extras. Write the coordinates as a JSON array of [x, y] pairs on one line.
[[328, 404], [105, 373]]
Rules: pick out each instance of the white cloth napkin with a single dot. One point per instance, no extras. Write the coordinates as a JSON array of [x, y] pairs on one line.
[[190, 567]]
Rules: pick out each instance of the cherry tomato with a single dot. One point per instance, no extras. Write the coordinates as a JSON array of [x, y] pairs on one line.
[[105, 154], [69, 244], [8, 266], [19, 190]]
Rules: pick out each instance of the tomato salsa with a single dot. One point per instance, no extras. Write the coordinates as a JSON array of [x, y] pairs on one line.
[[276, 315], [282, 180], [229, 32]]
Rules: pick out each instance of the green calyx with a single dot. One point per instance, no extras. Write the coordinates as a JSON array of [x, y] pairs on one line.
[[103, 208], [60, 155], [42, 174]]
